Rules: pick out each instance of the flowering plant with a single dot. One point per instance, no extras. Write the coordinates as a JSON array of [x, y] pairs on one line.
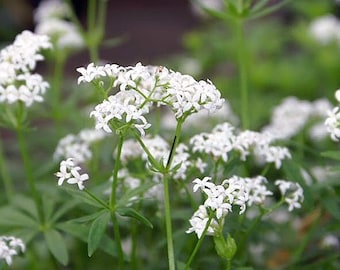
[[138, 163]]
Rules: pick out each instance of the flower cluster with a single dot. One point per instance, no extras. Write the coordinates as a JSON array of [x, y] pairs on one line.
[[223, 140], [78, 146], [291, 192], [17, 60], [326, 29], [199, 221], [70, 173], [243, 192], [9, 247], [292, 115], [141, 87], [220, 200], [51, 19], [333, 120]]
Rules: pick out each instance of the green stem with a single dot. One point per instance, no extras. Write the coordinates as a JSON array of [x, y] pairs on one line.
[[29, 173], [96, 198], [56, 88], [168, 226], [167, 206], [242, 63], [198, 245], [8, 183], [113, 199], [228, 265]]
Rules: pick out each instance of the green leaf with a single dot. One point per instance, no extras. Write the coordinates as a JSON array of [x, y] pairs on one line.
[[268, 10], [26, 204], [130, 212], [331, 154], [88, 218], [12, 217], [81, 232], [63, 209], [259, 5], [83, 197], [97, 230], [48, 206], [125, 199], [332, 204], [56, 245]]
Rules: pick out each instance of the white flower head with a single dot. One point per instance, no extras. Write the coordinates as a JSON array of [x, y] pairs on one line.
[[141, 87], [9, 247], [199, 221], [291, 192], [17, 83], [69, 172], [326, 29]]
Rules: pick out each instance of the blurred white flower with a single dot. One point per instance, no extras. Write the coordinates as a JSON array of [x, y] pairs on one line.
[[223, 139], [291, 192], [293, 115], [9, 247], [78, 146], [325, 29], [51, 18], [198, 6], [17, 83]]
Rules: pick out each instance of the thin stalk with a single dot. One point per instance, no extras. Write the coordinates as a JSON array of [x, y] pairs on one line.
[[92, 38], [168, 226], [8, 183], [198, 245], [118, 241], [113, 199], [29, 173], [228, 265], [243, 74], [167, 206], [56, 87]]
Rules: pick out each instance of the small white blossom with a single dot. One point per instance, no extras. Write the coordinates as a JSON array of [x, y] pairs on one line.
[[69, 172], [325, 29], [221, 198], [9, 247], [333, 120], [199, 221], [17, 61], [291, 192]]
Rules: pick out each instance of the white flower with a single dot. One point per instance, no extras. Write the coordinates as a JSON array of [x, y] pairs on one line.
[[289, 118], [141, 87], [201, 184], [51, 9], [218, 143], [64, 34], [9, 247], [198, 6], [291, 192], [70, 172], [221, 198], [90, 73], [325, 29], [199, 221], [17, 61], [256, 189]]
